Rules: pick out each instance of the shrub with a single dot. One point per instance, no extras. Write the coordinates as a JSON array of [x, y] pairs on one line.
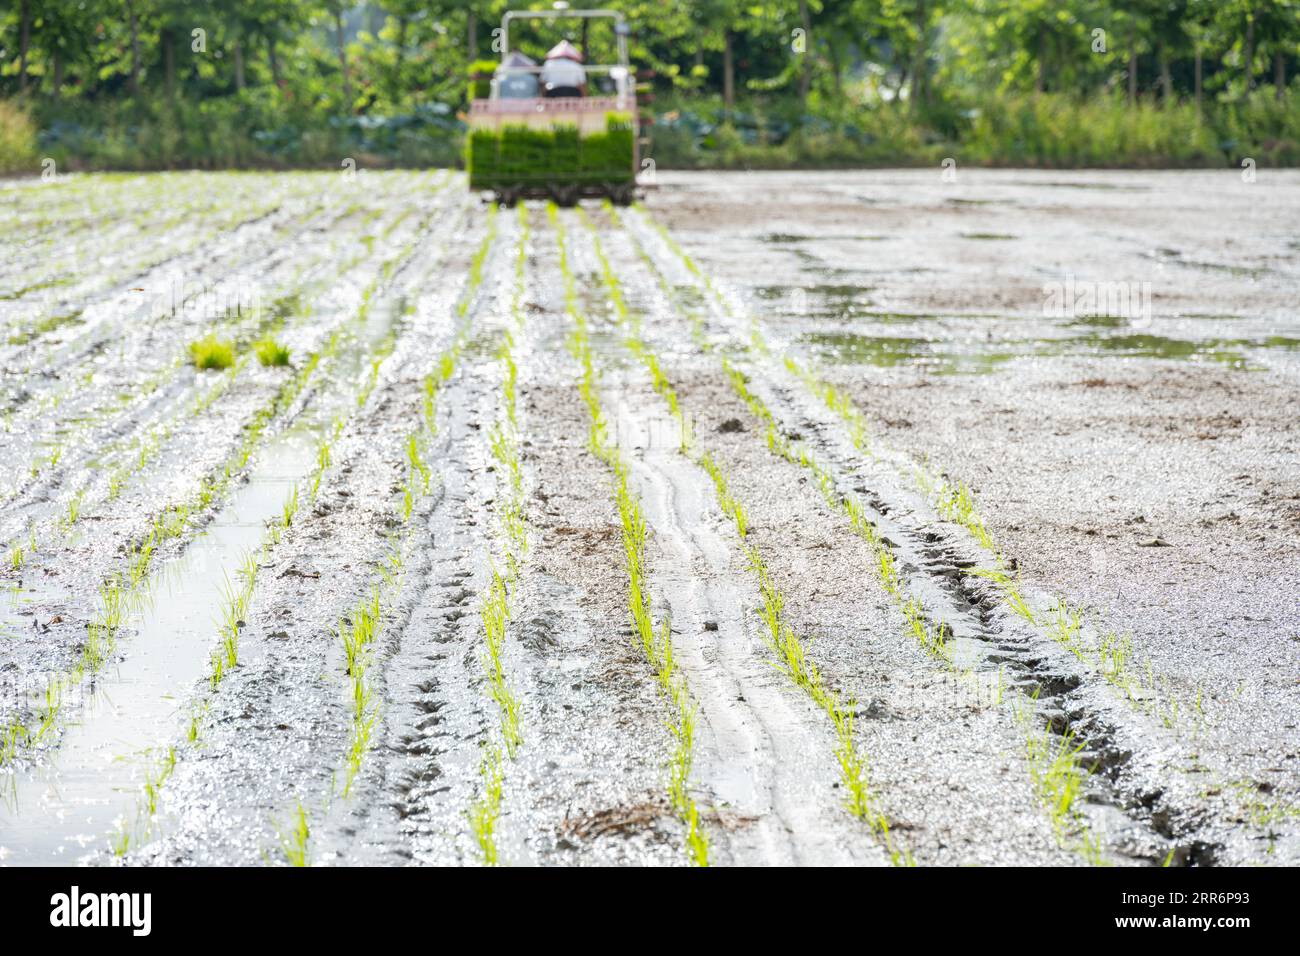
[[17, 139]]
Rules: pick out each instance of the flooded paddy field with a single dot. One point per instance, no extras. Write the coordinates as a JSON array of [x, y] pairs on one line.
[[843, 518]]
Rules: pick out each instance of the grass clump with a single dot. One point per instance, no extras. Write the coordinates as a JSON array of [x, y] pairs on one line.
[[211, 353], [271, 353]]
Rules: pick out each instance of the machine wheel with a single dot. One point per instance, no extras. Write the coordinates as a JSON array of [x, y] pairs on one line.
[[565, 196]]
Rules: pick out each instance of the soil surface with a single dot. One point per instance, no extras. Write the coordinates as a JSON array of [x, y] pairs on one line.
[[1012, 461]]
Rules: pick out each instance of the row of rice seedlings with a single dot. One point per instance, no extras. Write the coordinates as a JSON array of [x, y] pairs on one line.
[[793, 661], [631, 325], [28, 331], [790, 654], [1111, 656], [359, 630], [74, 234], [934, 637], [217, 353], [228, 215], [78, 214], [131, 586], [80, 433], [113, 605], [145, 388], [496, 603], [145, 450], [175, 520], [1057, 774], [656, 645], [238, 596], [146, 447], [1059, 780], [699, 334], [238, 599]]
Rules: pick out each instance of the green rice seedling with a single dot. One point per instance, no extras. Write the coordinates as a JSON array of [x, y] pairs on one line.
[[322, 463], [1010, 589], [486, 808], [74, 508], [1055, 764], [95, 651], [271, 353], [121, 842], [1065, 626], [1259, 811], [155, 779], [12, 737], [887, 570], [853, 766], [363, 725], [211, 353], [417, 463], [112, 604], [477, 262], [290, 508], [358, 632], [295, 842], [48, 708], [1059, 778], [494, 612], [430, 407], [17, 556]]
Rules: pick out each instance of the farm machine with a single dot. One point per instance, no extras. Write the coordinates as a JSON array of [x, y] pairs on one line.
[[557, 126]]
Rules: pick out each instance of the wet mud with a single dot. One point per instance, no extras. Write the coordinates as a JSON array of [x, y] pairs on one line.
[[1083, 648]]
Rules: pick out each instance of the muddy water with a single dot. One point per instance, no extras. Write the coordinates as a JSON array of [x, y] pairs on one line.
[[93, 786]]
